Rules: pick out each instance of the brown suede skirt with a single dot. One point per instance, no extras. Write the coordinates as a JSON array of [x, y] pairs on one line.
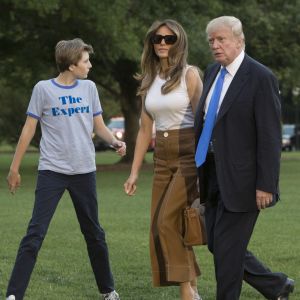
[[174, 187]]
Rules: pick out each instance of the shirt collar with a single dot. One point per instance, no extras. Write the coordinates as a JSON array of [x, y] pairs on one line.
[[234, 66]]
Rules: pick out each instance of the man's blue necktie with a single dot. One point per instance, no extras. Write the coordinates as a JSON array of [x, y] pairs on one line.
[[210, 119]]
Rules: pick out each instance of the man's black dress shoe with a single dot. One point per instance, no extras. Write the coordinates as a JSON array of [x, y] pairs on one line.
[[286, 290]]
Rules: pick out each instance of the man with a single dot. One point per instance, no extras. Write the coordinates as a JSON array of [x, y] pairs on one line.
[[238, 137], [68, 109]]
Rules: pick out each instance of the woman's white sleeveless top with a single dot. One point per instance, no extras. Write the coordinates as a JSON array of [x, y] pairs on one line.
[[172, 110]]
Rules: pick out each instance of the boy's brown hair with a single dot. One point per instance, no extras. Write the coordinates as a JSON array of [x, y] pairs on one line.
[[69, 52]]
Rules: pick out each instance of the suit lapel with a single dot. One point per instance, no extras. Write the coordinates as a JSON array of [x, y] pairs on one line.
[[236, 85], [206, 87], [209, 78]]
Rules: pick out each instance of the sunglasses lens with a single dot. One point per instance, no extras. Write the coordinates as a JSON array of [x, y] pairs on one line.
[[170, 39], [156, 39]]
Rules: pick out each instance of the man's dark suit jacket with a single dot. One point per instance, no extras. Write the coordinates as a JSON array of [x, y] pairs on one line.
[[246, 137]]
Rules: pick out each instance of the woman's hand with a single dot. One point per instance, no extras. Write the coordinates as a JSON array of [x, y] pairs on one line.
[[130, 185]]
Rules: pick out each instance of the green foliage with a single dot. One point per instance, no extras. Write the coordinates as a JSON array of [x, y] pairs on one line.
[[29, 31], [272, 37]]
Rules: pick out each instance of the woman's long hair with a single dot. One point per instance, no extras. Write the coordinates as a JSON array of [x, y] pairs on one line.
[[150, 63]]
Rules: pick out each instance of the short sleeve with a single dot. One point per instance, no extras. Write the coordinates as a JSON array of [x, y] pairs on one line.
[[35, 107], [97, 109]]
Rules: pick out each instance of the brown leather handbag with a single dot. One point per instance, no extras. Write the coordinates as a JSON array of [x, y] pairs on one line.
[[194, 232]]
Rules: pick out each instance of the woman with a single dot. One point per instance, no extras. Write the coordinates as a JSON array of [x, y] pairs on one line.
[[170, 90]]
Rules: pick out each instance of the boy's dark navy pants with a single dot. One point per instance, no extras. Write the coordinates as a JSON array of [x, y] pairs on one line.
[[49, 190]]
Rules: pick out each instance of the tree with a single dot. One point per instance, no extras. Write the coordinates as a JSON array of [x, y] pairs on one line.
[[98, 21], [29, 31]]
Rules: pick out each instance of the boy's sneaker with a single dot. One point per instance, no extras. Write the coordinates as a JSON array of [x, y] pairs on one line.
[[11, 297], [111, 296]]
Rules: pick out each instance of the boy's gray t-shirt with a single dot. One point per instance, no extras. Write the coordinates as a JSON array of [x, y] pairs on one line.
[[66, 116]]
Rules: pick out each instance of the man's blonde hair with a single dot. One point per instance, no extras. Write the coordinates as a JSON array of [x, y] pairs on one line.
[[230, 22]]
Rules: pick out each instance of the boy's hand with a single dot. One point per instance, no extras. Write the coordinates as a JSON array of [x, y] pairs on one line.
[[13, 181], [120, 147]]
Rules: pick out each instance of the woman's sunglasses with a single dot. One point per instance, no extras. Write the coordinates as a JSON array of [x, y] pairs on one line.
[[169, 39]]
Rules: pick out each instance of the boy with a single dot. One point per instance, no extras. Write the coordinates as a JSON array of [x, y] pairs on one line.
[[68, 109]]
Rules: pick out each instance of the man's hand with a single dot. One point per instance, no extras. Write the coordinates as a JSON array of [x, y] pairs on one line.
[[13, 181], [263, 199]]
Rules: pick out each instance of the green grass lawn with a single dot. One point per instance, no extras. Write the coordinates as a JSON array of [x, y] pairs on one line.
[[63, 271]]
